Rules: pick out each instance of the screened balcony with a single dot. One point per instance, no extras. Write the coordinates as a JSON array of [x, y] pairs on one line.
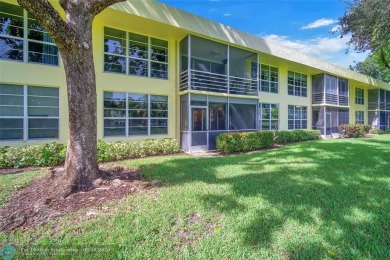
[[330, 90], [378, 99], [215, 67]]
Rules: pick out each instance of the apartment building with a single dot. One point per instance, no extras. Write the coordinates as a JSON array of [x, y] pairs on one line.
[[162, 72]]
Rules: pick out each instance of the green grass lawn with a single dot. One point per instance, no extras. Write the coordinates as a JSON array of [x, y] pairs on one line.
[[320, 199]]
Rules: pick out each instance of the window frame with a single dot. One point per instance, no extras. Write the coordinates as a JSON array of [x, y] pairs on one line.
[[127, 117], [301, 119], [270, 119], [128, 57], [294, 86], [26, 40], [359, 96], [359, 117], [269, 81], [26, 117]]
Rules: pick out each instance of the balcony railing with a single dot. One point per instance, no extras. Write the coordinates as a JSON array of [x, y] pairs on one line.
[[378, 106], [330, 99], [212, 82]]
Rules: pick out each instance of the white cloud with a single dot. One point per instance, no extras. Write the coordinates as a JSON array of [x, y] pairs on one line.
[[319, 23], [227, 14], [331, 49]]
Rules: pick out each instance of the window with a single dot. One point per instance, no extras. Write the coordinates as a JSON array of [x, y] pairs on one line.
[[297, 117], [135, 54], [128, 114], [297, 84], [35, 45], [28, 112], [269, 115], [359, 117], [269, 78], [359, 96]]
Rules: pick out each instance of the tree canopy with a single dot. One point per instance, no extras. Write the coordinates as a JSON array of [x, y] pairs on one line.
[[368, 23]]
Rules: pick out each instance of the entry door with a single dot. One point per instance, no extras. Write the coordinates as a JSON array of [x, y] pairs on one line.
[[199, 128]]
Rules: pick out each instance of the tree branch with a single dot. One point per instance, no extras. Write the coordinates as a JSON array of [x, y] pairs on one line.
[[97, 6], [50, 19]]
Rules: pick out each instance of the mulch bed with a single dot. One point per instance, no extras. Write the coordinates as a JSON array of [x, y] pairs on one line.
[[34, 204]]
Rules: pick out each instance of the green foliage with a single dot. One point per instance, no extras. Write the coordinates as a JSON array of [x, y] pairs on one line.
[[387, 130], [236, 142], [376, 131], [355, 130], [54, 153], [372, 66], [289, 136], [368, 23]]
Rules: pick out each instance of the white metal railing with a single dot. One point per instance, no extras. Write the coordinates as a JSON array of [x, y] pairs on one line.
[[331, 99], [213, 82]]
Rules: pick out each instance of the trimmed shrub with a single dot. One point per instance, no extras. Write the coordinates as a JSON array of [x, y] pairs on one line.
[[289, 136], [355, 130], [54, 153], [247, 141], [376, 131]]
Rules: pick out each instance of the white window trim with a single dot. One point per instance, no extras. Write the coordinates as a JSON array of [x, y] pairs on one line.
[[295, 86], [295, 119], [128, 57], [270, 120], [26, 40], [269, 81], [127, 118], [26, 117]]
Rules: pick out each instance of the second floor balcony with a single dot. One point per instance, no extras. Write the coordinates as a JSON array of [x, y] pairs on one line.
[[330, 90], [212, 82], [215, 67]]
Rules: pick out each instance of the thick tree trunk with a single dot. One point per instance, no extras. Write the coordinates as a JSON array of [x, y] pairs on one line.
[[73, 37], [81, 166]]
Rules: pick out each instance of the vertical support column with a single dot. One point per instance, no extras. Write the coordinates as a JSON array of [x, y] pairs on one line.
[[127, 54], [228, 69], [258, 73], [324, 88], [149, 57], [25, 36], [189, 123], [189, 62], [149, 126], [127, 114], [207, 121], [25, 113], [228, 113]]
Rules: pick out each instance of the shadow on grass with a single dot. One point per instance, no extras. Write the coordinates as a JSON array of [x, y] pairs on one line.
[[319, 198]]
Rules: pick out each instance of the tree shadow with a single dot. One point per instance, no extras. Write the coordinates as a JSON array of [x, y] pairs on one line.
[[334, 195]]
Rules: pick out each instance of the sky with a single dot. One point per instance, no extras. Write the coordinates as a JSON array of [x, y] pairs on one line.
[[304, 25]]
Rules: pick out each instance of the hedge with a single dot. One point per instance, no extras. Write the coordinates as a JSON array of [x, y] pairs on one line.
[[355, 130], [54, 153], [289, 136], [247, 141]]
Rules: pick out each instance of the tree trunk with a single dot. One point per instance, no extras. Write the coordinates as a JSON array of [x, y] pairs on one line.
[[73, 37], [81, 166]]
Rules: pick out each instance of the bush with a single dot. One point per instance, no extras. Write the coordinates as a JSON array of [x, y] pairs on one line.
[[288, 136], [248, 141], [54, 154], [387, 130], [376, 131], [355, 130]]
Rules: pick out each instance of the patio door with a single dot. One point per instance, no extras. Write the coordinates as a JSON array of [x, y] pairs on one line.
[[199, 140], [328, 123]]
